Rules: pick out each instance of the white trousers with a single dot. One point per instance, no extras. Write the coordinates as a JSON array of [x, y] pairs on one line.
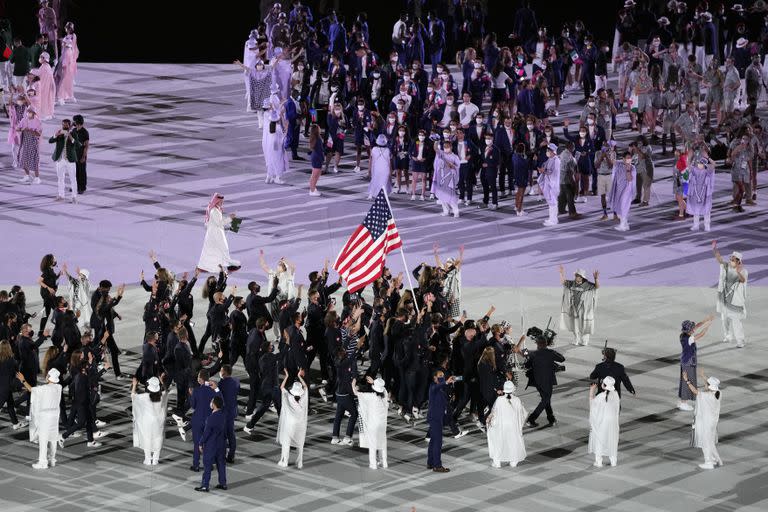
[[578, 336], [47, 446], [601, 82], [64, 169], [372, 456], [6, 77], [448, 207], [711, 455], [285, 452], [707, 217], [733, 329], [552, 214]]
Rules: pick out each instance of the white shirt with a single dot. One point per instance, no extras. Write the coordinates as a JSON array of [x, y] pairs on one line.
[[467, 112], [462, 148]]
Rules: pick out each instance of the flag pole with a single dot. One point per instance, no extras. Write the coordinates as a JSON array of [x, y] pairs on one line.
[[402, 254]]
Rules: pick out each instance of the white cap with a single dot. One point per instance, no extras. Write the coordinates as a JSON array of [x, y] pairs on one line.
[[153, 385], [509, 387], [608, 384], [552, 147], [297, 389], [737, 255], [581, 272], [53, 375], [737, 8], [45, 56], [381, 140], [741, 42], [713, 383], [84, 272], [378, 385], [663, 20]]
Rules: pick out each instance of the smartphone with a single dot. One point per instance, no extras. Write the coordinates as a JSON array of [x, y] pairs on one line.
[[458, 378]]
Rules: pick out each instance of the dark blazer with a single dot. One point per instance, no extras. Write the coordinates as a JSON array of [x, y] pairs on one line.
[[64, 143], [229, 387], [200, 401], [214, 439], [438, 403], [541, 365], [615, 370]]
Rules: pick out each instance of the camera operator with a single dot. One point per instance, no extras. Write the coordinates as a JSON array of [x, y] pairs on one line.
[[541, 365], [610, 368]]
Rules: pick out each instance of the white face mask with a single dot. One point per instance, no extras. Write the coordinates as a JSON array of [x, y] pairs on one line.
[[583, 134], [449, 102], [421, 137], [301, 68], [479, 120], [446, 135], [590, 121], [488, 142], [429, 90], [477, 65], [360, 108], [591, 104], [391, 120], [393, 59], [401, 133], [530, 127]]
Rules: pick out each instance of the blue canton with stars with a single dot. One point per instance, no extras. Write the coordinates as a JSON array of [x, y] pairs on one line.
[[378, 216]]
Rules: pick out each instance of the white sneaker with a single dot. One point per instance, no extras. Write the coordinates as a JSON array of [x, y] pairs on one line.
[[178, 419], [445, 214], [685, 407], [370, 198], [249, 416], [21, 424], [335, 170], [26, 179], [347, 441], [100, 434], [247, 430], [315, 193], [40, 465], [413, 197], [272, 409], [456, 215], [282, 463], [93, 444], [549, 223], [335, 440], [101, 424], [268, 179], [407, 417], [279, 181], [372, 466], [495, 464], [513, 464], [461, 434], [598, 464], [422, 198], [182, 434], [707, 465], [36, 181], [356, 169], [323, 394]]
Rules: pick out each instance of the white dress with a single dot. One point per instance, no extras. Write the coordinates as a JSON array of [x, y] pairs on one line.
[[604, 424], [705, 426], [577, 310], [275, 155], [79, 297], [292, 425], [148, 421], [505, 430], [381, 163], [215, 247]]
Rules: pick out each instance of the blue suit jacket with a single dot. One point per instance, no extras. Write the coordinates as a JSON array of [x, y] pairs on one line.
[[438, 401], [200, 401], [214, 438], [229, 386], [290, 111]]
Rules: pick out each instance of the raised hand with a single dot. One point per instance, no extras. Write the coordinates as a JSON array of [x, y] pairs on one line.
[[596, 274], [152, 255]]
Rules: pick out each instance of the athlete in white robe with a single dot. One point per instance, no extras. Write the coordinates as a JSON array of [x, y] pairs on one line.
[[292, 425], [604, 422], [577, 309], [215, 253], [285, 272], [44, 417], [505, 428], [272, 143], [732, 296], [149, 420], [79, 297], [705, 422], [373, 409]]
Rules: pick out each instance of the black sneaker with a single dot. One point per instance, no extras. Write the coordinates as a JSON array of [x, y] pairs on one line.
[[531, 424], [201, 489]]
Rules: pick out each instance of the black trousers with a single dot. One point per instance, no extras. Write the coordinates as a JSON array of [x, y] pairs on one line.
[[544, 405], [488, 181], [182, 393], [114, 352], [78, 418], [267, 399], [11, 407], [466, 181], [81, 176], [567, 191], [254, 383]]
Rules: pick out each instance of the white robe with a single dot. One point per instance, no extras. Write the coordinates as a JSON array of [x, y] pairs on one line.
[[292, 425], [505, 430], [149, 421], [275, 155], [738, 296], [381, 171], [604, 425], [215, 247], [44, 412], [705, 424], [373, 420], [582, 314]]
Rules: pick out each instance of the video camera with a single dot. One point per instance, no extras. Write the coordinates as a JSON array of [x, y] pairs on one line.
[[547, 334]]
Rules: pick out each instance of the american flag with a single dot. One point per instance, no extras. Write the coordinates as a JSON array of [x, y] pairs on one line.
[[361, 260]]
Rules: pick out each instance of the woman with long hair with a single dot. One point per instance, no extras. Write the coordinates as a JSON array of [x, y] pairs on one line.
[[48, 281], [316, 157], [488, 378], [8, 369], [30, 129]]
